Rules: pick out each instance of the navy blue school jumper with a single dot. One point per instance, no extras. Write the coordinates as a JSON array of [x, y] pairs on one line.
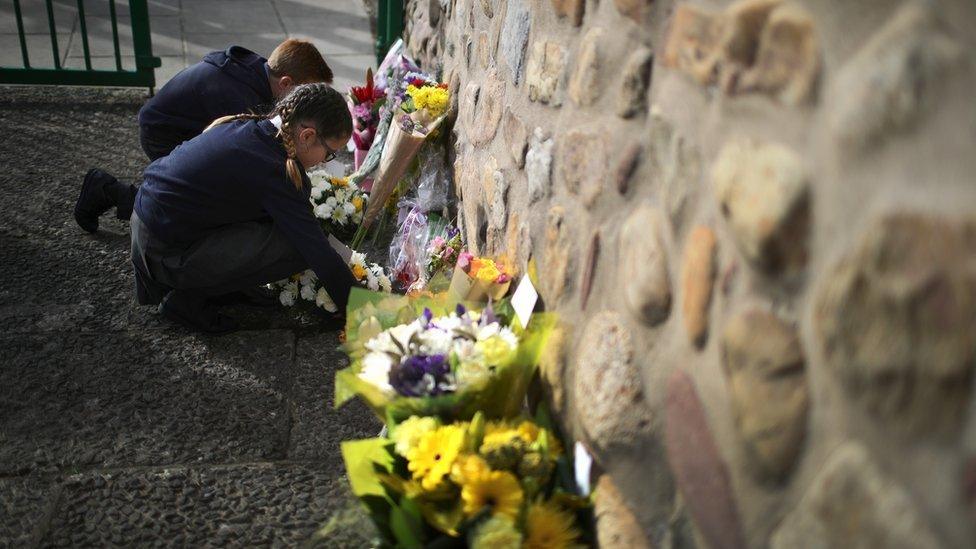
[[232, 81], [220, 215]]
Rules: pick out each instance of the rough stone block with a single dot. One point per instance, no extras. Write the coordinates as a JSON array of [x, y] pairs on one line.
[[515, 38], [490, 103], [607, 387], [699, 470], [545, 72], [572, 9], [691, 40], [559, 256], [589, 269], [764, 195], [517, 137], [851, 503], [632, 98], [616, 525], [634, 9], [486, 6], [538, 165], [893, 80], [582, 164], [675, 166], [897, 320], [787, 61], [764, 363], [643, 273], [697, 280], [627, 166], [468, 109], [585, 86]]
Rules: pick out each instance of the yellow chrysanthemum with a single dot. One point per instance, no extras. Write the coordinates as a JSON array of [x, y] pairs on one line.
[[357, 201], [408, 434], [468, 466], [499, 490], [495, 350], [434, 99], [340, 181], [358, 271], [485, 270], [549, 527], [434, 455], [497, 533]]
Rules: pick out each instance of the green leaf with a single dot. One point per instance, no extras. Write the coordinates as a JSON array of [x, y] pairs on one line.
[[361, 456], [407, 527]]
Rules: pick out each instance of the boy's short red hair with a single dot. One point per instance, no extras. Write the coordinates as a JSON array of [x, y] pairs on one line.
[[301, 61]]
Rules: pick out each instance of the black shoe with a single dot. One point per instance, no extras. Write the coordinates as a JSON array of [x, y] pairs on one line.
[[194, 313], [93, 200], [255, 297]]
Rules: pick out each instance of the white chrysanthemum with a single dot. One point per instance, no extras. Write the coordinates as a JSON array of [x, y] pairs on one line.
[[323, 211], [287, 298], [488, 331], [331, 201], [384, 343], [449, 323], [317, 192], [324, 300], [435, 342], [308, 293], [308, 278], [339, 216], [372, 282], [464, 349], [376, 370], [349, 208], [358, 258], [385, 284]]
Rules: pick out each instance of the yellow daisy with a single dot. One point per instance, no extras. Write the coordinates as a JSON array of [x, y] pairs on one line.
[[434, 455], [549, 527], [499, 490], [468, 466], [359, 272]]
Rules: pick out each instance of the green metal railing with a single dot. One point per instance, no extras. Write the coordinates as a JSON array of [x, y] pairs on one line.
[[389, 26], [142, 76]]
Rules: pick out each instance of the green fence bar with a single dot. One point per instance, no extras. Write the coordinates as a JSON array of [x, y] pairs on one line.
[[84, 33], [389, 26], [54, 34], [143, 76], [115, 35], [21, 33]]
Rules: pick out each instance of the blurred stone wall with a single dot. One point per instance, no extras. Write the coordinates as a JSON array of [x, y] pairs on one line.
[[758, 221]]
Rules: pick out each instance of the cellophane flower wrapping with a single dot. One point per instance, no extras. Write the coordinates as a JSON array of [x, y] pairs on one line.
[[479, 278], [421, 110], [365, 103], [479, 483], [489, 360]]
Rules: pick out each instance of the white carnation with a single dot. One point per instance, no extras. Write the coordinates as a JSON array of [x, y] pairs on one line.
[[287, 298], [308, 293]]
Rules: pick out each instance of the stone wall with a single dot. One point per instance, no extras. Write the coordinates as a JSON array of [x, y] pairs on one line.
[[758, 221]]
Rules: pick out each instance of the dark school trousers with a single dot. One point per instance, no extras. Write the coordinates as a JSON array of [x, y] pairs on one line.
[[229, 259]]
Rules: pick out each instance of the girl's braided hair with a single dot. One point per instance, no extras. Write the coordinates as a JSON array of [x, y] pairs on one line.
[[318, 104]]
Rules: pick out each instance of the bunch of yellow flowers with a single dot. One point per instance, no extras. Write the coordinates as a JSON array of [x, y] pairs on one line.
[[497, 465], [433, 98]]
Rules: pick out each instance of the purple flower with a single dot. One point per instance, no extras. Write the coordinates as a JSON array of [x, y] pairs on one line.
[[452, 231], [427, 316], [460, 310], [423, 375]]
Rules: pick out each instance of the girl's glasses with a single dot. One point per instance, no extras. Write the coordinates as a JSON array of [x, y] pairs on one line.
[[330, 154]]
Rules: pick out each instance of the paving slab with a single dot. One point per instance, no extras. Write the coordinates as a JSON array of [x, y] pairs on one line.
[[26, 503], [318, 427], [243, 506]]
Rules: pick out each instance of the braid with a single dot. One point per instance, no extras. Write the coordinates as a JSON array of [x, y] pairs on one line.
[[232, 117], [322, 106]]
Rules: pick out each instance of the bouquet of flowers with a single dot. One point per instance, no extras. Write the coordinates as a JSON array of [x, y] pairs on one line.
[[479, 278], [443, 251], [424, 106], [306, 286], [478, 483], [365, 103], [437, 357], [337, 202]]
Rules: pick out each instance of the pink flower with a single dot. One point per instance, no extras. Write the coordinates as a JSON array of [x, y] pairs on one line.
[[447, 253], [503, 278], [464, 261], [437, 242]]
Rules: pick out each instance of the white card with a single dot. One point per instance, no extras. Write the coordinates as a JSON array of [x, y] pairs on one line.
[[345, 252], [524, 299], [582, 463]]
